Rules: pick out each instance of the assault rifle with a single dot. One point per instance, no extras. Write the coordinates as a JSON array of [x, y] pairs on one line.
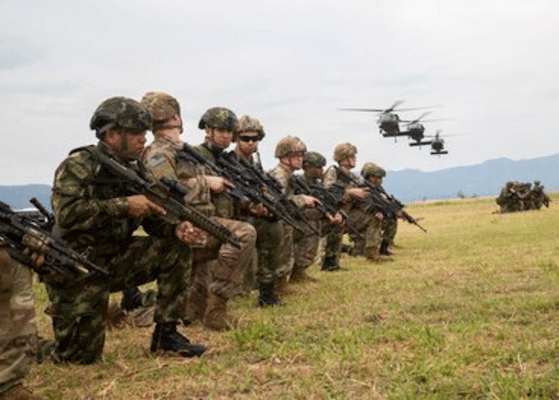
[[380, 200], [169, 194], [31, 230], [329, 202], [250, 183]]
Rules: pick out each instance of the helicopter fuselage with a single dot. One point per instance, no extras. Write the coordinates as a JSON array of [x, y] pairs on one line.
[[389, 123]]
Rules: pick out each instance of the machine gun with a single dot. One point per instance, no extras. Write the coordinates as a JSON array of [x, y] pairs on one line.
[[169, 194], [31, 230], [249, 183], [380, 200]]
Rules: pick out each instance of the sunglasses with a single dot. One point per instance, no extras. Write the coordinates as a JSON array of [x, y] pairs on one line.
[[249, 138]]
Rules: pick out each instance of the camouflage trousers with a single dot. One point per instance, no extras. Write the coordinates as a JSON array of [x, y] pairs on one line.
[[285, 253], [219, 268], [18, 334], [269, 235], [79, 312], [305, 246], [390, 229], [370, 228], [333, 241]]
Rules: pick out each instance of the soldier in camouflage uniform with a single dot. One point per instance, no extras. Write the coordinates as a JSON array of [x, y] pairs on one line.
[[18, 334], [269, 231], [374, 174], [290, 151], [539, 196], [96, 210], [305, 242], [218, 268], [345, 154], [509, 200]]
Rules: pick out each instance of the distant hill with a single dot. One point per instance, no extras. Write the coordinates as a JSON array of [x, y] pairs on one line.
[[408, 185], [18, 196], [484, 179]]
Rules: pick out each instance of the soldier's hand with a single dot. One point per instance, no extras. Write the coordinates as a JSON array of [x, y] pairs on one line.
[[258, 209], [358, 192], [37, 258], [189, 234], [310, 201], [140, 207], [217, 184], [336, 219]]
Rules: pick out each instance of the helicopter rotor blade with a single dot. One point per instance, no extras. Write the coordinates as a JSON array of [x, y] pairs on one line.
[[362, 109]]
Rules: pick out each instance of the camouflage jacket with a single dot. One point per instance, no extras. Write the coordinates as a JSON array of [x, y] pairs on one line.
[[89, 204], [285, 179], [331, 178], [160, 158], [222, 201]]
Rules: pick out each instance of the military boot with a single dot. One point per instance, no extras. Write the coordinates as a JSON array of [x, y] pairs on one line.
[[267, 296], [384, 250], [19, 392], [216, 317], [299, 275], [166, 338], [329, 264]]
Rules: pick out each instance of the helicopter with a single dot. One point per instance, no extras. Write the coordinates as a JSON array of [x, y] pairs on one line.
[[437, 144], [388, 121]]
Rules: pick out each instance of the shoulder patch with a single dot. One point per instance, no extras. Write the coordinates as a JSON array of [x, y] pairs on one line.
[[155, 161]]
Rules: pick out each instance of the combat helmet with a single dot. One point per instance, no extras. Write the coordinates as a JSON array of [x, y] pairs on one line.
[[120, 112], [344, 151], [161, 106], [219, 117], [288, 145], [314, 159], [249, 124], [371, 169]]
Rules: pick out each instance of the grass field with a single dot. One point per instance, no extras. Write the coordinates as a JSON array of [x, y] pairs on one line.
[[468, 311]]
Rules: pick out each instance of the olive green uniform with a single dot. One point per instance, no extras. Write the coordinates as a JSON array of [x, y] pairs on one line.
[[18, 334], [90, 208]]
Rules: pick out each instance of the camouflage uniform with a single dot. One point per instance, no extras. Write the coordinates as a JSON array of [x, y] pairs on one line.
[[334, 233], [389, 224], [286, 258], [269, 234], [18, 334], [228, 272], [305, 242], [508, 199], [90, 210]]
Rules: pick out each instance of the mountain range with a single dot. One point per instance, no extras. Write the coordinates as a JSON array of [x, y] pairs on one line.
[[407, 185]]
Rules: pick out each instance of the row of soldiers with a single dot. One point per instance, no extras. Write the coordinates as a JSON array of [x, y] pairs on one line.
[[98, 211], [521, 196]]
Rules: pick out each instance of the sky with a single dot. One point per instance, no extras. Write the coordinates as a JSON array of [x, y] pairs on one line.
[[488, 69]]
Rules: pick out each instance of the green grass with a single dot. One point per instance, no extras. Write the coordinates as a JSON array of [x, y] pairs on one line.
[[468, 311]]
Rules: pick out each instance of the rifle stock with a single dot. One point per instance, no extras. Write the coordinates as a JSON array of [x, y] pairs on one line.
[[25, 230]]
